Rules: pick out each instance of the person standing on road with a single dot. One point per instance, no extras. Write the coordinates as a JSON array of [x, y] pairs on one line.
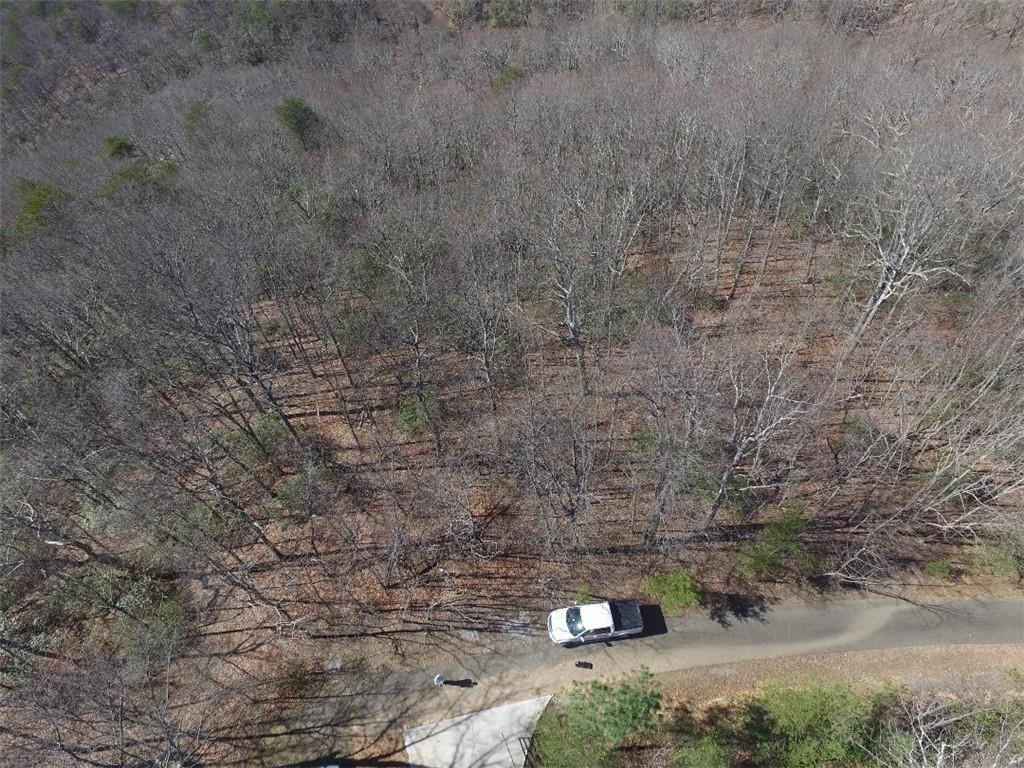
[[438, 681]]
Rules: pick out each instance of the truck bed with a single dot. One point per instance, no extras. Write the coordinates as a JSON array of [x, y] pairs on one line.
[[626, 615]]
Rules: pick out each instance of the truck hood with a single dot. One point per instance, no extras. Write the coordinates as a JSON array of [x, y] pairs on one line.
[[558, 629]]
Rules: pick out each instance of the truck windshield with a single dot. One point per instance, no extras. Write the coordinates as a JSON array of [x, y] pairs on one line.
[[574, 621]]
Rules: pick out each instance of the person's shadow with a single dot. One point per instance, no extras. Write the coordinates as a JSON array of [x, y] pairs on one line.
[[465, 683]]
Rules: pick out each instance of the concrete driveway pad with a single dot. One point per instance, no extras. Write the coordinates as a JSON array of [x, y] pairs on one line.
[[486, 739]]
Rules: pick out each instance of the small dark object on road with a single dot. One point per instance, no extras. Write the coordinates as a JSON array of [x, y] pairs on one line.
[[466, 683], [584, 665]]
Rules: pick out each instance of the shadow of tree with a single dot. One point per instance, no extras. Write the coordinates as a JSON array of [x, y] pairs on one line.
[[726, 608]]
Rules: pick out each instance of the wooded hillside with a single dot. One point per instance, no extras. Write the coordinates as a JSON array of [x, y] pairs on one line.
[[335, 333]]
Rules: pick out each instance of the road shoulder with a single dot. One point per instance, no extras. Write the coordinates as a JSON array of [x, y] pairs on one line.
[[991, 668]]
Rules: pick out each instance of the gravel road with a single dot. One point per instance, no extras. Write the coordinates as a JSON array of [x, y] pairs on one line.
[[700, 641]]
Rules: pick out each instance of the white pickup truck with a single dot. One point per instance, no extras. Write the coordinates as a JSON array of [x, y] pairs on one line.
[[596, 621]]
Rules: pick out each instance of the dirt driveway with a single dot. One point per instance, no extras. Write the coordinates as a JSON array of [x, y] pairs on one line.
[[690, 642]]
